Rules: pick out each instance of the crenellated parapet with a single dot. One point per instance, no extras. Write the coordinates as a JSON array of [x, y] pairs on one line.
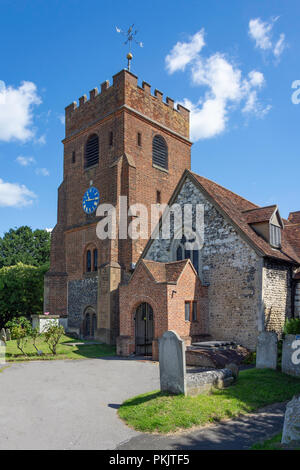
[[125, 93]]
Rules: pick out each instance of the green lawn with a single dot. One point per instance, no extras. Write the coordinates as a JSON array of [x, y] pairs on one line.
[[161, 412], [273, 444], [270, 444], [13, 354]]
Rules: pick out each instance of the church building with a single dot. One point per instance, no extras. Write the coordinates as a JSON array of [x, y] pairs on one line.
[[242, 279]]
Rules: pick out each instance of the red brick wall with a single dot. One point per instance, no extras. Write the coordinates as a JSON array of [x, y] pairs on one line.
[[124, 109], [168, 304]]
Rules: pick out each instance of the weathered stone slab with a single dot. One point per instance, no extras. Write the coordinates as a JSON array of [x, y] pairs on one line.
[[266, 351], [2, 352], [172, 363], [203, 382], [291, 427], [3, 335], [291, 355], [8, 334]]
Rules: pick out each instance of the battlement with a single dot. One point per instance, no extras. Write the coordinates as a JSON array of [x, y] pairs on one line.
[[125, 92]]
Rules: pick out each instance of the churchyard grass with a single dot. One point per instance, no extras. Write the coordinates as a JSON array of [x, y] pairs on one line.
[[269, 444], [274, 443], [64, 351], [164, 413]]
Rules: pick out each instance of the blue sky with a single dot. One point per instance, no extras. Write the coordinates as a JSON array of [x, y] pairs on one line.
[[233, 62]]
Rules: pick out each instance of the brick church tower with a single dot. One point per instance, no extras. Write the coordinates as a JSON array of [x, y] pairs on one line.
[[123, 141]]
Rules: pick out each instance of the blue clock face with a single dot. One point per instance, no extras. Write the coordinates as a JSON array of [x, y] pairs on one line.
[[90, 200]]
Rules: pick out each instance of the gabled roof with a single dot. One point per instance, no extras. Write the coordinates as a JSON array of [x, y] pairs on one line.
[[237, 209], [234, 207], [166, 272], [259, 214]]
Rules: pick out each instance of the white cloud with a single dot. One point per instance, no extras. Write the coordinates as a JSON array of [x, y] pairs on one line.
[[49, 230], [279, 46], [15, 195], [226, 89], [40, 140], [25, 161], [61, 117], [42, 172], [184, 52], [16, 111], [261, 32]]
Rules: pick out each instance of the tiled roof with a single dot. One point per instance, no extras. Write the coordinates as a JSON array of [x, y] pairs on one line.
[[294, 217], [260, 214], [234, 207], [165, 272]]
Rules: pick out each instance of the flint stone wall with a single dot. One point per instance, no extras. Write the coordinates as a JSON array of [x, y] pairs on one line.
[[82, 293], [229, 266]]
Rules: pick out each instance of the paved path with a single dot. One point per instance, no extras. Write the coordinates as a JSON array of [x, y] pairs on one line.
[[70, 404], [236, 434]]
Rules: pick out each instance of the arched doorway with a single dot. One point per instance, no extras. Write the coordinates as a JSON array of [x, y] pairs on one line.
[[89, 323], [144, 329]]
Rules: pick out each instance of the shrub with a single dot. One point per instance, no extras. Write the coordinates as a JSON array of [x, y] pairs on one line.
[[292, 326], [21, 330], [53, 333], [21, 291]]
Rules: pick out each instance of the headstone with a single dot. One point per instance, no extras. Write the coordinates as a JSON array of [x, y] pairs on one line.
[[291, 427], [266, 350], [8, 334], [2, 352], [291, 355], [3, 335], [172, 363]]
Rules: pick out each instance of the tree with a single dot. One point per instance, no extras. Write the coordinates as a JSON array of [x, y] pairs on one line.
[[23, 245], [21, 291], [53, 333]]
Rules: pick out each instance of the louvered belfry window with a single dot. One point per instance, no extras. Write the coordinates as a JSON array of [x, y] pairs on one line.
[[92, 151], [160, 152]]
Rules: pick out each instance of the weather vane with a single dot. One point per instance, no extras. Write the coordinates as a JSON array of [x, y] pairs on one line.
[[130, 37]]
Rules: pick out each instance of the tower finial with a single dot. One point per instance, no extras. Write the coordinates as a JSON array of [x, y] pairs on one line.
[[129, 34]]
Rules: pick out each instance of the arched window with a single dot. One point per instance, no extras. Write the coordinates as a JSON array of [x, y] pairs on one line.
[[183, 251], [95, 259], [91, 151], [160, 152], [88, 261]]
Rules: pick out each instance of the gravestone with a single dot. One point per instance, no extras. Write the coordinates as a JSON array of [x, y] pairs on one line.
[[172, 363], [8, 334], [266, 350], [291, 355], [291, 427], [3, 335], [2, 352]]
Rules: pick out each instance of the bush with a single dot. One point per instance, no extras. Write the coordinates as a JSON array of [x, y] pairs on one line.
[[292, 326], [21, 291], [21, 330], [53, 333]]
